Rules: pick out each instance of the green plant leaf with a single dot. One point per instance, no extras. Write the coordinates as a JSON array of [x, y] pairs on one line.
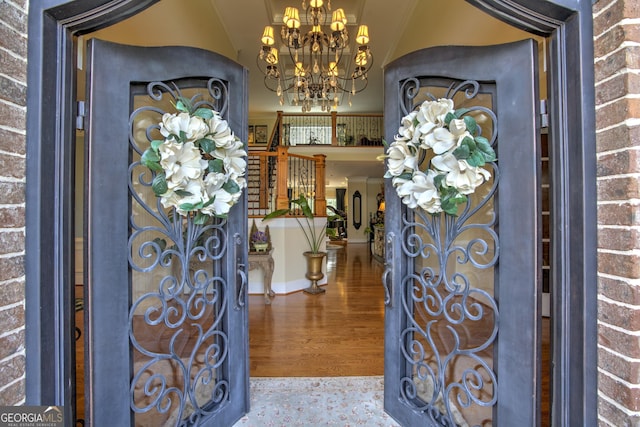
[[216, 165], [476, 159], [200, 218], [304, 205], [182, 137], [448, 118], [205, 113], [209, 202], [183, 193], [160, 242], [159, 184], [485, 148], [462, 152], [471, 124], [231, 187], [184, 105], [187, 206], [207, 145], [156, 143], [276, 214], [461, 112], [151, 160], [437, 180], [468, 141]]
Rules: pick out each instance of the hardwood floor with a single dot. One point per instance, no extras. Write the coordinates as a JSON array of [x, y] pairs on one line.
[[337, 333]]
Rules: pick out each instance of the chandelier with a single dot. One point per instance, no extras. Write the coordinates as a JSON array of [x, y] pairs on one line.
[[318, 52]]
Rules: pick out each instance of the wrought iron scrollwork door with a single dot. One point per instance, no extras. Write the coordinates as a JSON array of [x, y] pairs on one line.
[[462, 290], [167, 319]]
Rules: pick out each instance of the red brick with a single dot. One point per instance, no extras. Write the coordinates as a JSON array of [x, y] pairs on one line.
[[12, 217], [12, 116], [619, 163], [11, 293], [617, 87], [11, 268], [14, 17], [14, 67], [619, 290], [620, 342], [619, 264], [621, 239], [614, 37], [13, 40], [621, 316], [621, 393], [620, 189], [12, 193], [628, 57], [618, 366], [622, 213], [617, 112], [12, 369], [11, 242], [618, 137], [13, 395], [615, 416], [11, 343]]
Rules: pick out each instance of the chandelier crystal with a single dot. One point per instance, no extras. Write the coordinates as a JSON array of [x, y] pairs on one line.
[[311, 67]]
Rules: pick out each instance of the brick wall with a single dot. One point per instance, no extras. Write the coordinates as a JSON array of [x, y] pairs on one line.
[[617, 72], [13, 88]]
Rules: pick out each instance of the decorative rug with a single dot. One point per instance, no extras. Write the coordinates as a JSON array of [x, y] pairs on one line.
[[317, 401]]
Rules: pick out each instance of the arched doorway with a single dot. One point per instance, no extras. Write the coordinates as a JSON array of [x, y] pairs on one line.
[[49, 253]]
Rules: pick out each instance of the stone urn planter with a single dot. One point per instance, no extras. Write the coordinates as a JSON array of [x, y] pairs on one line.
[[314, 271]]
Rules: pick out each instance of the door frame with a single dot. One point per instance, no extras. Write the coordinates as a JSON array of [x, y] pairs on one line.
[[49, 265]]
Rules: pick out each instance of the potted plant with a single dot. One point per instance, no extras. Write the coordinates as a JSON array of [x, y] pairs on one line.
[[314, 237], [260, 241]]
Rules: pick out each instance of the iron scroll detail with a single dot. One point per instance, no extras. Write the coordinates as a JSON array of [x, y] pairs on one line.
[[388, 276], [451, 317], [179, 286]]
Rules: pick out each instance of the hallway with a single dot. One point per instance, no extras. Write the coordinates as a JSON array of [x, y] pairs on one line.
[[337, 333]]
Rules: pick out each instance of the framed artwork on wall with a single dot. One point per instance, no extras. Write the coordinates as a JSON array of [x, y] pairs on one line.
[[251, 138], [261, 134]]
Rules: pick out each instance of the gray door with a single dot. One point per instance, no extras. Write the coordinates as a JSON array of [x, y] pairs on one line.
[[166, 319], [462, 237]]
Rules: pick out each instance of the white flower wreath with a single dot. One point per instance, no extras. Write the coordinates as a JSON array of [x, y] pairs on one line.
[[456, 167], [200, 164]]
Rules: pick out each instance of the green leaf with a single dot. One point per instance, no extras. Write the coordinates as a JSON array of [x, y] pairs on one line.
[[160, 242], [448, 118], [231, 187], [187, 206], [276, 214], [304, 205], [437, 180], [216, 165], [182, 137], [207, 145], [469, 143], [406, 175], [200, 218], [209, 202], [476, 159], [461, 112], [471, 124], [159, 184], [183, 193], [184, 105], [205, 113], [151, 160], [462, 152], [485, 148], [156, 143]]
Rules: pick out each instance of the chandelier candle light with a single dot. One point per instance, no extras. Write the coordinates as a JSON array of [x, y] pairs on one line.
[[317, 73]]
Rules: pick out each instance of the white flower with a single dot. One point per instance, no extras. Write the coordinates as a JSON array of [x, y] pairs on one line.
[[233, 159], [419, 191], [197, 195], [426, 129], [221, 133], [435, 111], [181, 163], [460, 175], [221, 204], [193, 127], [400, 158]]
